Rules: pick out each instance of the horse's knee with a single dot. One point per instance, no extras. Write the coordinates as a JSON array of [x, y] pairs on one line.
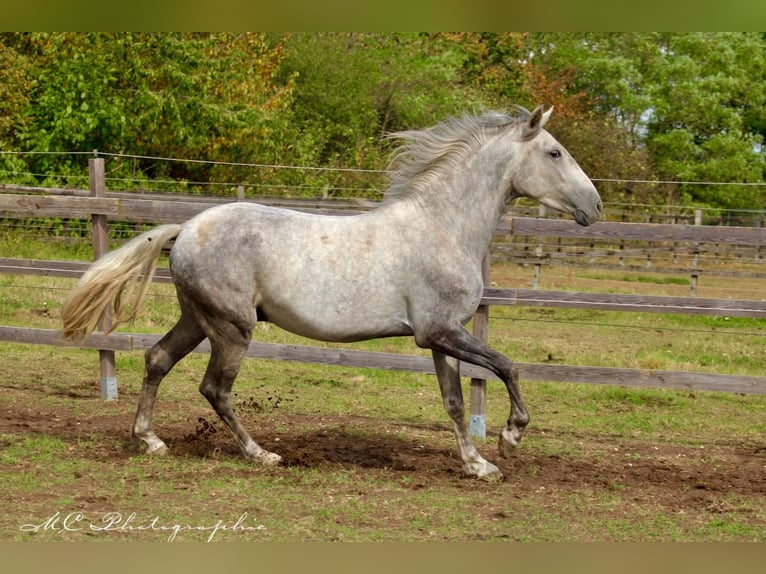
[[157, 362]]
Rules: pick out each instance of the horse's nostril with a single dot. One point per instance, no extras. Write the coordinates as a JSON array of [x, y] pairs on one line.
[[599, 207]]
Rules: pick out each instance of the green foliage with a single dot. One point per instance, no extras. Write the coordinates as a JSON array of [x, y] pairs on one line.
[[694, 102], [352, 89], [208, 96], [631, 106], [710, 84]]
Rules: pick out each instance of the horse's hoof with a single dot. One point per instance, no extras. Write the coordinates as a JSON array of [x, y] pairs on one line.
[[149, 443], [485, 471], [509, 440], [267, 458], [493, 476], [157, 450], [271, 459]]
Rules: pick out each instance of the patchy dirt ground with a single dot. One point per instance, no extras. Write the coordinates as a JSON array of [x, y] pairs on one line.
[[715, 480]]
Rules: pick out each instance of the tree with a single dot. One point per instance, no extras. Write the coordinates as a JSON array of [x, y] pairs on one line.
[[351, 89], [690, 100], [639, 106], [494, 64], [15, 86], [197, 96], [706, 89]]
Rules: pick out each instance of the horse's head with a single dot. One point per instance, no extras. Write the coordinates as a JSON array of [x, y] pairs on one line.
[[548, 173]]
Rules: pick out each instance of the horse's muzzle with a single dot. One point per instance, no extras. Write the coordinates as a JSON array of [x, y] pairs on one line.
[[581, 218], [584, 219]]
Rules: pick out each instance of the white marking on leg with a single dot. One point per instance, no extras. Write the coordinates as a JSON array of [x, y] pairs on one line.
[[154, 445], [473, 463], [253, 451]]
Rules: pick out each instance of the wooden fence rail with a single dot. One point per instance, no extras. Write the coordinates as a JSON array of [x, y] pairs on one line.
[[492, 295], [156, 209], [165, 210], [419, 364]]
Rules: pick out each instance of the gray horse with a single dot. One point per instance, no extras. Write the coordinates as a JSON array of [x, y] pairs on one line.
[[410, 267]]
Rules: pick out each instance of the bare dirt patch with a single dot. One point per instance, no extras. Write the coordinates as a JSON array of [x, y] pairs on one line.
[[678, 478]]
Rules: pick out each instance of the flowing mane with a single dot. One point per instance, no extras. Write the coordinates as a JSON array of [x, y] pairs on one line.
[[426, 154]]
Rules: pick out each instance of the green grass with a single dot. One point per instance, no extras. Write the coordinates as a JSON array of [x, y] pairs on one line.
[[64, 450], [368, 504], [639, 278]]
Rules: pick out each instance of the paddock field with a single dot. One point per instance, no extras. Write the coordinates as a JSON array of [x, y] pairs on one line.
[[370, 455]]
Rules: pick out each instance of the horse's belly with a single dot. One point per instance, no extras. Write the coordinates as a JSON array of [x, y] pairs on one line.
[[336, 321], [343, 333]]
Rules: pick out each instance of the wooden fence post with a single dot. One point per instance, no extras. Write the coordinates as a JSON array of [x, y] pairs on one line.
[[478, 419], [541, 212], [696, 255], [100, 247]]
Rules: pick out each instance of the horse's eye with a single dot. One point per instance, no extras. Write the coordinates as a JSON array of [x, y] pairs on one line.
[[554, 153]]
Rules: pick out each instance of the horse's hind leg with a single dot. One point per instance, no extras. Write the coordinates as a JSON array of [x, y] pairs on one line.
[[447, 371], [227, 351], [174, 346]]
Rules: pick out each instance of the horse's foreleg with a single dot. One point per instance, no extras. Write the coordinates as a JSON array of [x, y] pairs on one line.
[[459, 343], [225, 361], [173, 347], [510, 436], [448, 374]]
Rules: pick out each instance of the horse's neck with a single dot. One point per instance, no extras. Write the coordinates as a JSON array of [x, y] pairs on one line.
[[470, 210]]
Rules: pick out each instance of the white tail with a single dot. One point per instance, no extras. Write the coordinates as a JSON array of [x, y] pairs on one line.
[[122, 276]]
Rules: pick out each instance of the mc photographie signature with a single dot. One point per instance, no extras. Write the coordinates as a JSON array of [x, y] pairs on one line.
[[119, 522]]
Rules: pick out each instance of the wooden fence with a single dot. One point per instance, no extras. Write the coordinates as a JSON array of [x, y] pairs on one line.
[[101, 206]]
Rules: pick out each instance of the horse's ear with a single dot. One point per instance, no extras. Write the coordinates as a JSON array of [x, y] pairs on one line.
[[537, 119], [546, 117]]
